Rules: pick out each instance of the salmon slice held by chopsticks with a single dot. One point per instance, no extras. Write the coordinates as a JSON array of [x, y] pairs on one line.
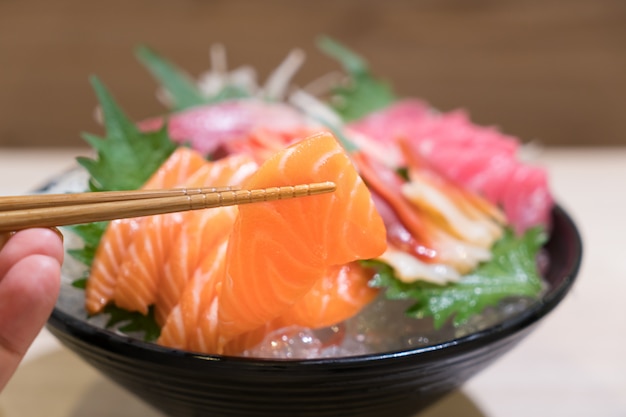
[[279, 250]]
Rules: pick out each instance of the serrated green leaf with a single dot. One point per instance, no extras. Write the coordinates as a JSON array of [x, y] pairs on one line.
[[126, 157], [129, 322], [512, 272], [83, 255], [90, 233]]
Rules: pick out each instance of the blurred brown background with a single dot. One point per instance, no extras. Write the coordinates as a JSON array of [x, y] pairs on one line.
[[546, 70]]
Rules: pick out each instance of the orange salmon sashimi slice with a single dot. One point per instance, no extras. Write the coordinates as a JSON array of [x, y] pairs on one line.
[[340, 294], [336, 297], [113, 248], [109, 256], [141, 281], [200, 230], [182, 328], [279, 250], [139, 276]]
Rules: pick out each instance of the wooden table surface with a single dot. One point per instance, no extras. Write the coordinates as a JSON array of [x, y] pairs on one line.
[[572, 366]]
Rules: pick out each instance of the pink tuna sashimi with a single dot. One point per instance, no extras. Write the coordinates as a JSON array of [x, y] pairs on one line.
[[481, 159], [432, 131], [404, 114], [211, 127]]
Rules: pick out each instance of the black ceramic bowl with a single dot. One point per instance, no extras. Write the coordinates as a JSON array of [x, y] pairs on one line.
[[392, 384]]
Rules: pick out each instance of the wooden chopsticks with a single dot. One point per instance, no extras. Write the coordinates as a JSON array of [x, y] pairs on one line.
[[57, 200], [48, 210]]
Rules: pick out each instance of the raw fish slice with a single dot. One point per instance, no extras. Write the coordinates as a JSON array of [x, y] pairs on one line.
[[386, 186], [461, 226], [480, 159], [200, 230], [385, 126], [113, 247], [107, 260], [176, 169], [341, 293], [139, 276], [182, 329], [229, 171], [450, 210], [278, 250]]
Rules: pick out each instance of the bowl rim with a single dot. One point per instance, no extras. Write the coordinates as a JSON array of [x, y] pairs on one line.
[[139, 349]]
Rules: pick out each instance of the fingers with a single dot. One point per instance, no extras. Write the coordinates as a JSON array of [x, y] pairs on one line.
[[30, 242], [29, 284]]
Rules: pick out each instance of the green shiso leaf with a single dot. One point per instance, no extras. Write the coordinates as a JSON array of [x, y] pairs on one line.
[[129, 322], [512, 272], [90, 234], [80, 283], [364, 93], [126, 157]]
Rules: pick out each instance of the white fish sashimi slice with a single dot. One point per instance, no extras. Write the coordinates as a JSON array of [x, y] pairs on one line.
[[409, 269]]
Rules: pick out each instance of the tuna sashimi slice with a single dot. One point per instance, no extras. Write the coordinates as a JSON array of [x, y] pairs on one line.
[[480, 159]]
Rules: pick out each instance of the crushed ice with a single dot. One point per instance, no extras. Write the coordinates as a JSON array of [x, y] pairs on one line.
[[380, 327]]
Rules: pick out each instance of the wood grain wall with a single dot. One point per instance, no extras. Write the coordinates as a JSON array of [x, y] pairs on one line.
[[546, 70]]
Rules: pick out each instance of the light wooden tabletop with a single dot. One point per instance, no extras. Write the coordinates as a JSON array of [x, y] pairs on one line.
[[572, 365]]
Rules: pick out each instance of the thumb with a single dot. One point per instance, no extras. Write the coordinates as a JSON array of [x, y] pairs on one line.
[[28, 292]]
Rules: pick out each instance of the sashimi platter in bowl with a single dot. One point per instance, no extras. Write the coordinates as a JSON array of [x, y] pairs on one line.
[[439, 249]]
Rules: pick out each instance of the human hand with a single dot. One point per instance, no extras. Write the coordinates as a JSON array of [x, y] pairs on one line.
[[30, 270]]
